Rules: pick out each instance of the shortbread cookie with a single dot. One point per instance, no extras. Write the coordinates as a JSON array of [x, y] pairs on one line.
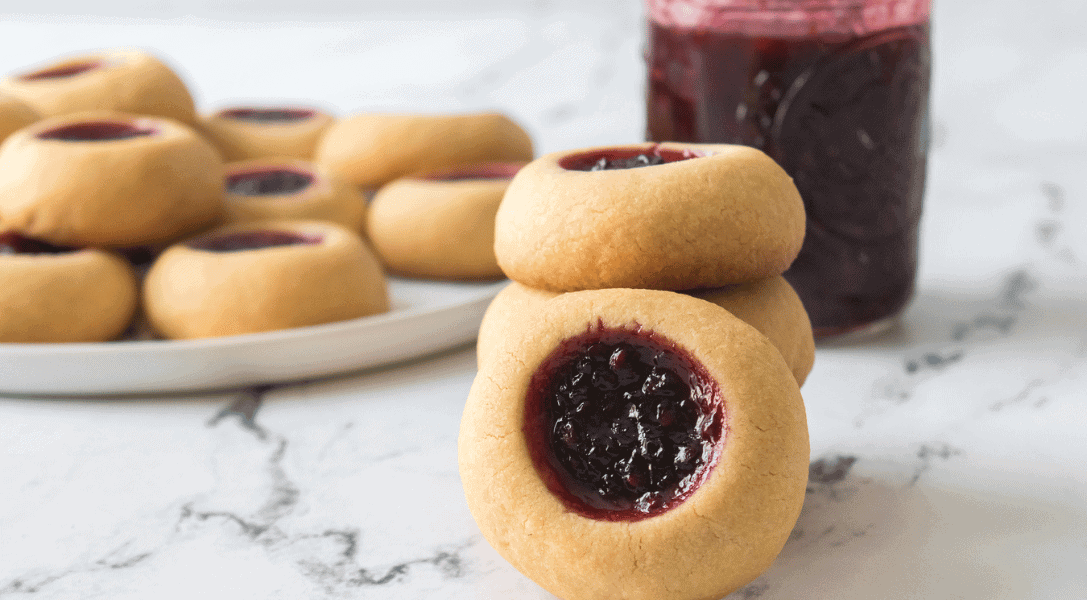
[[772, 306], [263, 276], [130, 81], [14, 115], [371, 150], [60, 294], [243, 133], [108, 179], [283, 188], [660, 216], [635, 444], [440, 225], [769, 305]]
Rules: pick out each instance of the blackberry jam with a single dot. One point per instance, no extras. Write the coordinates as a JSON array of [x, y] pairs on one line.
[[623, 424], [12, 243], [252, 240], [268, 182], [835, 91]]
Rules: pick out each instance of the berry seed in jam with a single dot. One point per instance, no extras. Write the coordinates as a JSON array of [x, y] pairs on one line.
[[268, 182], [97, 131], [13, 243], [269, 115], [621, 158], [252, 240], [623, 424]]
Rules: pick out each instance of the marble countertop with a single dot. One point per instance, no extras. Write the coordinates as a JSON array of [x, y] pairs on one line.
[[949, 455]]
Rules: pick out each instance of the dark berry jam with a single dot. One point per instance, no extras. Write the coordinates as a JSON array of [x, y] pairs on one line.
[[269, 115], [625, 158], [268, 182], [481, 172], [623, 424], [252, 240], [845, 115], [61, 71], [97, 131], [13, 243]]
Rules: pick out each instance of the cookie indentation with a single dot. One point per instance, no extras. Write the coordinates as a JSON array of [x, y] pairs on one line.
[[62, 71], [626, 158], [269, 115], [13, 243], [623, 423], [253, 240], [268, 182], [97, 131]]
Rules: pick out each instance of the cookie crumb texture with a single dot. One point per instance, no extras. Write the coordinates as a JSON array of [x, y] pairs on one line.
[[635, 444]]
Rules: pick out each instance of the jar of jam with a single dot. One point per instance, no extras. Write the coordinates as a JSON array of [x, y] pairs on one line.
[[836, 91]]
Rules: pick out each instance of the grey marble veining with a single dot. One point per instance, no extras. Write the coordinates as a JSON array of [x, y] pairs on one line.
[[949, 458]]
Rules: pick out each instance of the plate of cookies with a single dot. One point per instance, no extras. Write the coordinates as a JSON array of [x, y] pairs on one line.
[[146, 247]]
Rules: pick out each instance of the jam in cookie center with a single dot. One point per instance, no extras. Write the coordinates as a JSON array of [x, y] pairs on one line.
[[623, 424], [625, 158], [269, 115], [253, 240], [268, 182], [97, 131], [13, 243]]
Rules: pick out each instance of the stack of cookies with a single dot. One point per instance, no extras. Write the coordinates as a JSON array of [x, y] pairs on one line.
[[718, 222], [636, 428]]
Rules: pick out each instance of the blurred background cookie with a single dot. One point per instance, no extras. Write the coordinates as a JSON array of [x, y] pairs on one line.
[[370, 150], [123, 80], [247, 132], [110, 179], [440, 224], [263, 276], [62, 294], [284, 188]]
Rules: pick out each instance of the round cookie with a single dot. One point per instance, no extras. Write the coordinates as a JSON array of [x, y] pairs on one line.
[[14, 115], [263, 276], [440, 225], [371, 150], [130, 81], [283, 188], [773, 307], [568, 436], [243, 133], [659, 216], [59, 294], [769, 305], [108, 179]]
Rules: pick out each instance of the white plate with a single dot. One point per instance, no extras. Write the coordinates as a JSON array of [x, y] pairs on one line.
[[426, 317]]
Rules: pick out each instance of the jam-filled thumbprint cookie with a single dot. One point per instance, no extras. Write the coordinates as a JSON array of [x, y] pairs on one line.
[[108, 179], [284, 188], [263, 276], [246, 132], [440, 224], [62, 294], [635, 444], [124, 80], [371, 150], [659, 216]]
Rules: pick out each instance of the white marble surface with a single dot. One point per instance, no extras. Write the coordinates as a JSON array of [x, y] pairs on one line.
[[950, 454]]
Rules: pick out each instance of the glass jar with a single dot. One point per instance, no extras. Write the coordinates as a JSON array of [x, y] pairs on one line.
[[836, 91]]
